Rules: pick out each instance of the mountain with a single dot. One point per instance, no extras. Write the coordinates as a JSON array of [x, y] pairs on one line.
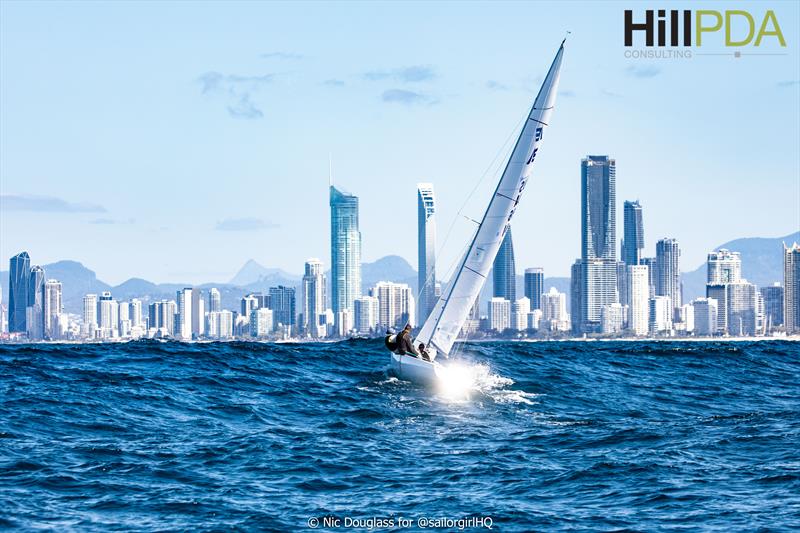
[[388, 268], [253, 273], [762, 263]]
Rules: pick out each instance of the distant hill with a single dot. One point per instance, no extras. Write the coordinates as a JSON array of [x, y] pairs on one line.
[[762, 263], [253, 272]]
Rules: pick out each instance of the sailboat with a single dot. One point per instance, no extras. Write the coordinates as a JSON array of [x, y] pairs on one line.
[[440, 330]]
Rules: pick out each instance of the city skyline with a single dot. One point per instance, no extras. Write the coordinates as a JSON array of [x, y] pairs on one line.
[[168, 137]]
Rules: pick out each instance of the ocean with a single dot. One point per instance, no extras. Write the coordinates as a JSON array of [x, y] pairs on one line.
[[597, 436]]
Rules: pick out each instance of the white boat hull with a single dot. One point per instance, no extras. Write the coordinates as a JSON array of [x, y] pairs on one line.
[[413, 369]]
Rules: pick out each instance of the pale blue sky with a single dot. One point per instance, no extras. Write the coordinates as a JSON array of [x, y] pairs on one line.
[[179, 140]]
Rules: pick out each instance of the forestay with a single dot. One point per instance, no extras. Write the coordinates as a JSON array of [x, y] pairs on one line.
[[450, 312]]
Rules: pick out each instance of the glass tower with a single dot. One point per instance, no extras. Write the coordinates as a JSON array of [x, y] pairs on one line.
[[426, 253], [668, 277], [18, 290], [504, 270], [633, 240], [598, 268], [345, 251], [534, 286]]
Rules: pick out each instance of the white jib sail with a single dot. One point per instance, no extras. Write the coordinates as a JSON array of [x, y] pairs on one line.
[[450, 312]]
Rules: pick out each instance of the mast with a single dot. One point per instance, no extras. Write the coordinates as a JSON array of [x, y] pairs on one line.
[[444, 323]]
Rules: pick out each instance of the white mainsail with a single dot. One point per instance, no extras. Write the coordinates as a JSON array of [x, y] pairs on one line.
[[445, 321]]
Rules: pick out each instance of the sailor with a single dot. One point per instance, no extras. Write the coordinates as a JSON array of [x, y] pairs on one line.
[[391, 340], [424, 353], [405, 345]]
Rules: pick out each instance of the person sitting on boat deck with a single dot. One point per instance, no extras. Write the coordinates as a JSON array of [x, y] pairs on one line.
[[423, 352], [391, 340], [405, 345]]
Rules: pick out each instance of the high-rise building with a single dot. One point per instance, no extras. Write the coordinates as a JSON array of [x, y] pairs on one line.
[[520, 309], [661, 313], [724, 266], [2, 313], [426, 250], [345, 251], [89, 315], [719, 293], [220, 324], [162, 316], [34, 316], [791, 288], [633, 240], [773, 305], [184, 325], [668, 272], [214, 300], [366, 316], [705, 316], [108, 315], [652, 272], [53, 308], [611, 319], [554, 311], [313, 295], [198, 314], [598, 208], [283, 302], [18, 291], [396, 306], [639, 299], [261, 322], [136, 313], [622, 283], [248, 304], [504, 271], [575, 296], [598, 270], [742, 308], [534, 286], [499, 314]]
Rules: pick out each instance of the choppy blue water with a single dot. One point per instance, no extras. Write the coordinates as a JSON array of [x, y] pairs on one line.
[[598, 436]]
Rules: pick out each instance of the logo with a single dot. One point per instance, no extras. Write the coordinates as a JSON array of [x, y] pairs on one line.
[[687, 28]]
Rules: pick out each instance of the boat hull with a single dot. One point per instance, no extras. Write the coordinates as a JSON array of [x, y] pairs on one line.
[[413, 369]]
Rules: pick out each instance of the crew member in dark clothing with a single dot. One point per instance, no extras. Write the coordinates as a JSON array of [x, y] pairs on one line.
[[405, 345]]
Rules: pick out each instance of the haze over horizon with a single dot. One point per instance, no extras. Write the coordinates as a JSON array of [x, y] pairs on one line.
[[173, 142]]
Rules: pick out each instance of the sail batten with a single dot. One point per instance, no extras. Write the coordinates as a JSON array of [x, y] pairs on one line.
[[446, 319]]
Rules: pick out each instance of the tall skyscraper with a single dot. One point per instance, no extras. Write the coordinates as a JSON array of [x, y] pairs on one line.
[[661, 312], [773, 305], [184, 325], [136, 313], [639, 299], [53, 308], [18, 290], [89, 314], [742, 308], [214, 300], [345, 251], [719, 293], [34, 317], [519, 313], [313, 295], [724, 266], [283, 304], [633, 240], [198, 313], [504, 271], [668, 276], [534, 286], [426, 250], [598, 269], [791, 288]]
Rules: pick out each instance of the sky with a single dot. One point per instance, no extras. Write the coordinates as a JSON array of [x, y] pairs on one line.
[[175, 141]]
